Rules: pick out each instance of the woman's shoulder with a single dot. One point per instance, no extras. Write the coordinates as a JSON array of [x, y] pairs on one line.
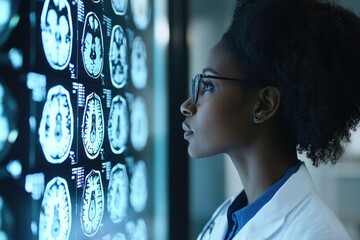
[[316, 219]]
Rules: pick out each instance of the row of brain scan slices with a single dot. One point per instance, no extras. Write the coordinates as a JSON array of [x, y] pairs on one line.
[[56, 203], [56, 129], [57, 38]]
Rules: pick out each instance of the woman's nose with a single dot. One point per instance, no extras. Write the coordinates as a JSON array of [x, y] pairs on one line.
[[187, 108]]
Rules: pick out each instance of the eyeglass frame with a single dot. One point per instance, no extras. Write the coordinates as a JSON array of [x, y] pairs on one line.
[[196, 80]]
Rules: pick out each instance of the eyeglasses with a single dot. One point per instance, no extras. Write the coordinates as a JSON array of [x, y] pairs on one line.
[[198, 77]]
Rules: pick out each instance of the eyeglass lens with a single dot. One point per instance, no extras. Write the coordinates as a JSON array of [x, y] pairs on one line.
[[195, 88]]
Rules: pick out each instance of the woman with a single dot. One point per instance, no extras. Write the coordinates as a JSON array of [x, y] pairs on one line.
[[283, 79]]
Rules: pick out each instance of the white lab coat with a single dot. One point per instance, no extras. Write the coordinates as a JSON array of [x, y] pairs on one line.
[[295, 212]]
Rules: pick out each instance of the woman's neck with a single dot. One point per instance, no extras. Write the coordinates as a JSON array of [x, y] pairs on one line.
[[262, 165]]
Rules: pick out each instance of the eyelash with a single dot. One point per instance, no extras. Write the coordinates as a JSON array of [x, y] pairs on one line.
[[206, 86]]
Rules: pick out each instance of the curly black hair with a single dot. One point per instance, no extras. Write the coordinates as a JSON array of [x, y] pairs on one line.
[[310, 51]]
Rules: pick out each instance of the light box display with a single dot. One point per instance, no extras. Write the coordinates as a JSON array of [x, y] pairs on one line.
[[76, 150]]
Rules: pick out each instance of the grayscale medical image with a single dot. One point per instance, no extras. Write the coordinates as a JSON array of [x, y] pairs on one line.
[[78, 151], [92, 46], [119, 6], [139, 123], [138, 230], [93, 126], [57, 33], [56, 130], [141, 12], [139, 71], [118, 125], [92, 209], [139, 187], [118, 57], [118, 193], [55, 216]]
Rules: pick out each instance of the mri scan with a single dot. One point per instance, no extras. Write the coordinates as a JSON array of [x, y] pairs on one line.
[[56, 130], [93, 126], [118, 193], [119, 236], [138, 187], [119, 6], [92, 209], [55, 216], [92, 46], [139, 123], [118, 125], [141, 13], [57, 33], [118, 59], [8, 120], [139, 71], [138, 230]]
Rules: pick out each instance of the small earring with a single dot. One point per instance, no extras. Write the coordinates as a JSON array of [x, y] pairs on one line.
[[256, 119]]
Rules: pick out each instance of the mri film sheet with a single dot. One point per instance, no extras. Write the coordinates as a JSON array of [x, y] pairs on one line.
[[75, 120], [55, 216], [56, 130]]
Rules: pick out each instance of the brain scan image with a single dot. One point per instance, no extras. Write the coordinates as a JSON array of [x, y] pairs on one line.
[[92, 209], [141, 13], [119, 236], [140, 231], [6, 221], [119, 6], [55, 216], [118, 125], [57, 33], [118, 59], [93, 126], [118, 193], [56, 130], [139, 71], [8, 120], [92, 46], [139, 124], [138, 187]]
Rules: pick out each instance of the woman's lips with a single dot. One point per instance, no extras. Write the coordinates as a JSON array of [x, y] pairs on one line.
[[187, 131]]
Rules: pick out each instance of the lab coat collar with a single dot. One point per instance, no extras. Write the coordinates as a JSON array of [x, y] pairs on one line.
[[271, 216]]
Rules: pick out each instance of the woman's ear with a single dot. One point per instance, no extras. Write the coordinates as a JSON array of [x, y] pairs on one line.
[[269, 101]]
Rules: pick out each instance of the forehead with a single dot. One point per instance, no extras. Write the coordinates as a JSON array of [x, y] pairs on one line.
[[222, 61]]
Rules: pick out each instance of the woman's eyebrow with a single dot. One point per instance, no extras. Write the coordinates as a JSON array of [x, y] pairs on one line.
[[209, 69]]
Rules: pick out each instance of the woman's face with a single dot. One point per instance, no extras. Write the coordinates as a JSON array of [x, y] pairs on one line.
[[222, 119]]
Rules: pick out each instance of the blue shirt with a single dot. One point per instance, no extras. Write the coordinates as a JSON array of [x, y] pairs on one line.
[[239, 212]]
